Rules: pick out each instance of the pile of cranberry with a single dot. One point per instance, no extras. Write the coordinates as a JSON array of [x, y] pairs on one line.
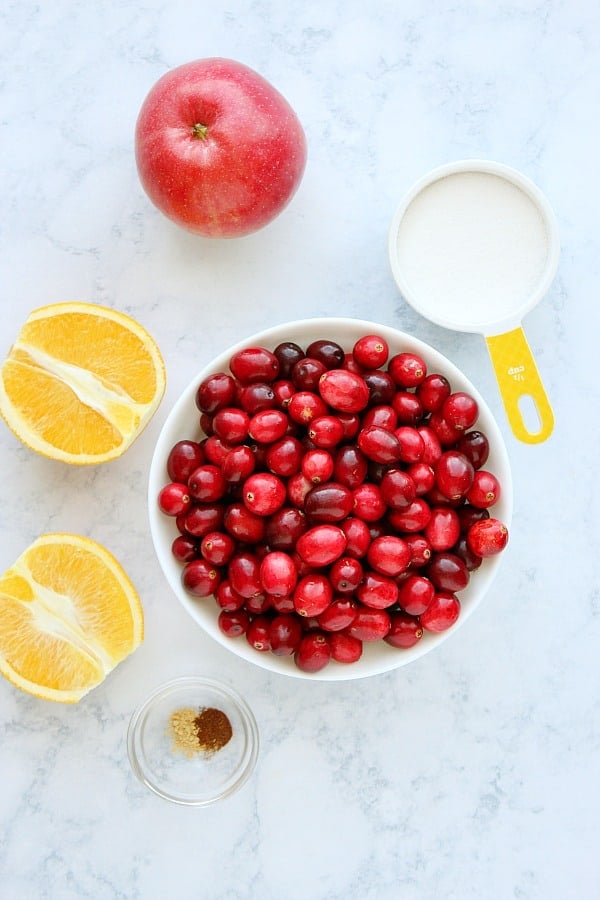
[[337, 498]]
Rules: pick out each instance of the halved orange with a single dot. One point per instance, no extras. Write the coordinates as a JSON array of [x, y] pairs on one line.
[[80, 382], [68, 615]]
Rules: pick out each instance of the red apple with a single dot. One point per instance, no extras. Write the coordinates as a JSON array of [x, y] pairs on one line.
[[218, 149]]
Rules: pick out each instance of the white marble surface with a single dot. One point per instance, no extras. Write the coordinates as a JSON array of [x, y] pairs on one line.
[[473, 773]]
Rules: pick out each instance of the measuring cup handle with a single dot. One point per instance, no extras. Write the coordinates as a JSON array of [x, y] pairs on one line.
[[519, 380]]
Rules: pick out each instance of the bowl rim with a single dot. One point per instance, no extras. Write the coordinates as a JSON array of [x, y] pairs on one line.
[[135, 736], [322, 326]]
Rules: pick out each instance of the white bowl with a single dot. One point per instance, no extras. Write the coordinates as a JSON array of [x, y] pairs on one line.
[[182, 423]]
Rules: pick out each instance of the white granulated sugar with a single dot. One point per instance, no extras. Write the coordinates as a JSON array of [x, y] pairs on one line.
[[472, 248]]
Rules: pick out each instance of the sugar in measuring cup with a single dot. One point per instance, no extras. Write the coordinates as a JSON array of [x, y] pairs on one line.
[[473, 247]]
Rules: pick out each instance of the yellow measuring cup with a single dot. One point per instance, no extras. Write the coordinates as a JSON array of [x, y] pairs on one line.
[[473, 246]]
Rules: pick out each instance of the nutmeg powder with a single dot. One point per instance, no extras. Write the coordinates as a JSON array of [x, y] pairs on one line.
[[193, 731]]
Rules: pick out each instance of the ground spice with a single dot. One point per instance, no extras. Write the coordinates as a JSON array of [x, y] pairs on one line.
[[195, 731]]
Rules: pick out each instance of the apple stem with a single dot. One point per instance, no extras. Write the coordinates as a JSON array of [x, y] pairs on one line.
[[200, 131]]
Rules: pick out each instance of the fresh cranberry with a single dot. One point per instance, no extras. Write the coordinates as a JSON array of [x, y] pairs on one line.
[[389, 555], [217, 547], [432, 392], [328, 502], [432, 448], [383, 415], [263, 493], [321, 545], [312, 595], [200, 578], [408, 408], [346, 574], [231, 425], [233, 623], [460, 410], [238, 464], [184, 549], [379, 444], [475, 446], [445, 432], [244, 525], [215, 450], [340, 613], [183, 458], [405, 631], [305, 406], [369, 504], [469, 514], [443, 528], [268, 425], [420, 549], [485, 490], [287, 354], [278, 574], [227, 598], [377, 591], [257, 397], [204, 517], [317, 465], [345, 648], [297, 488], [350, 466], [487, 537], [411, 518], [258, 632], [284, 457], [448, 572], [344, 391], [382, 387], [397, 488], [350, 423], [407, 369], [282, 605], [258, 604], [371, 351], [415, 594], [358, 536], [410, 444], [306, 374], [243, 572], [463, 551], [454, 474], [313, 652], [423, 477], [207, 484], [370, 624], [215, 393], [442, 612], [327, 352], [284, 390], [326, 431], [285, 634], [284, 527], [174, 499], [254, 364]]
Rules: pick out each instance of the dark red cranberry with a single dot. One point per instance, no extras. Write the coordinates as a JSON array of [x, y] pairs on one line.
[[215, 393], [405, 631], [327, 352], [313, 652], [328, 502], [382, 387], [475, 446], [306, 374], [288, 354], [285, 634], [183, 458], [448, 572]]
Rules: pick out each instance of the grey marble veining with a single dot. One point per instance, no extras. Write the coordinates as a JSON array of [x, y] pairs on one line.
[[473, 773]]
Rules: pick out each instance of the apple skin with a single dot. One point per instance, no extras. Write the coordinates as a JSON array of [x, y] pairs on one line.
[[241, 165]]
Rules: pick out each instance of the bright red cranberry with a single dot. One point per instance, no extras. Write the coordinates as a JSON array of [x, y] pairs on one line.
[[350, 466], [340, 613], [238, 464], [244, 525], [345, 648], [405, 631], [369, 504], [460, 410], [389, 555], [411, 518], [346, 574], [475, 446], [321, 545], [443, 528], [200, 578], [204, 517], [215, 393], [258, 632], [317, 465], [350, 423], [263, 493], [174, 499], [377, 591], [358, 536], [284, 527], [328, 502], [397, 488], [284, 390], [344, 391], [423, 477], [306, 374], [420, 549], [184, 549], [407, 369], [415, 594], [184, 457], [446, 433], [432, 392], [285, 634], [243, 572], [448, 572], [227, 598], [297, 488], [217, 547], [326, 431], [268, 425], [379, 444], [207, 483], [278, 574], [408, 408], [381, 387], [328, 352], [254, 364], [442, 612], [287, 354], [370, 624], [485, 490], [215, 450], [383, 415], [313, 652], [231, 425], [371, 351], [432, 448], [305, 406], [312, 595], [454, 474], [410, 443], [284, 457], [487, 537], [233, 623]]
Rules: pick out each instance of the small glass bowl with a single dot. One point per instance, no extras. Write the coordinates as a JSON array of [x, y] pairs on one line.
[[191, 779]]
